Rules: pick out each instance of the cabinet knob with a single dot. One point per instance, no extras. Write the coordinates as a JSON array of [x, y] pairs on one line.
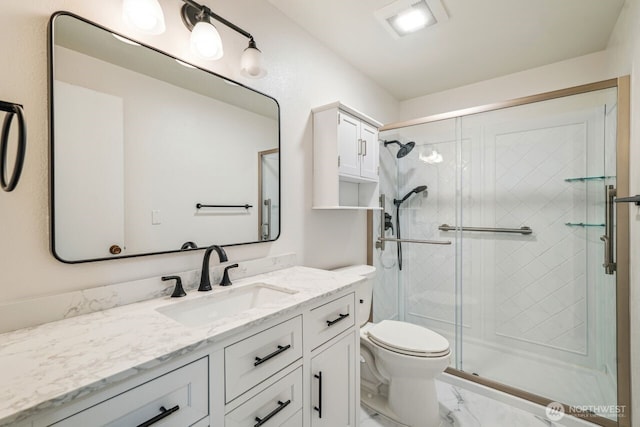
[[115, 250]]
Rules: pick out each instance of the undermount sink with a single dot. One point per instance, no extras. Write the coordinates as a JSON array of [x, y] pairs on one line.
[[198, 312]]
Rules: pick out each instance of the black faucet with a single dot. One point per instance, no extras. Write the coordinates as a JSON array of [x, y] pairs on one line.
[[225, 277], [205, 281]]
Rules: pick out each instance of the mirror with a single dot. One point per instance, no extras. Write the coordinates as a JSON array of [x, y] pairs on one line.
[[151, 155]]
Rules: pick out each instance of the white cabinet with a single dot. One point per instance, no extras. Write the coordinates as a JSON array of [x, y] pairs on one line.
[[357, 149], [272, 375], [333, 371], [345, 158], [330, 319], [179, 397], [274, 407], [258, 357]]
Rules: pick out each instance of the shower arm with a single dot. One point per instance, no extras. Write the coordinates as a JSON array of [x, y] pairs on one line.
[[380, 243]]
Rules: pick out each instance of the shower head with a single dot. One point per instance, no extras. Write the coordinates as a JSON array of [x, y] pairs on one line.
[[404, 148], [418, 189]]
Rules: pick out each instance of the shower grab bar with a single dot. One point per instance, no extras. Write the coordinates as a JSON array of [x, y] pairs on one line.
[[426, 242], [522, 230]]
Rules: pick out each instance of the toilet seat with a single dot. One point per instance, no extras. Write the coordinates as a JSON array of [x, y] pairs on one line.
[[408, 339]]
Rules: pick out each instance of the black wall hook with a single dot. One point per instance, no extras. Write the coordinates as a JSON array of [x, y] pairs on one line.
[[9, 184]]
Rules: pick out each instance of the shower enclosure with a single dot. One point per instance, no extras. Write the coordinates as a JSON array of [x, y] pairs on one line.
[[527, 293]]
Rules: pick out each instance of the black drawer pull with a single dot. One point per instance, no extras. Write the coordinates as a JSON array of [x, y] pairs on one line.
[[333, 322], [280, 349], [281, 406], [319, 407], [164, 413]]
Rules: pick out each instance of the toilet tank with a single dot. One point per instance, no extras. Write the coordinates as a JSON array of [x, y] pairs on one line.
[[364, 291]]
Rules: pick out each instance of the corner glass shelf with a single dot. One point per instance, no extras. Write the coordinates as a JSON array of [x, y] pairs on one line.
[[582, 224], [589, 178]]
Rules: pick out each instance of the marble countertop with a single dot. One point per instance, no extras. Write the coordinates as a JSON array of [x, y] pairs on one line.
[[48, 365]]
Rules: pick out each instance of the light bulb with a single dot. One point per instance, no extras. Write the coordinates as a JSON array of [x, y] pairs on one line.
[[412, 20], [251, 62], [144, 15], [206, 42]]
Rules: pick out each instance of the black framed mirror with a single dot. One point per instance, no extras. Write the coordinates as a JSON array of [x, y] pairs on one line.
[[152, 155]]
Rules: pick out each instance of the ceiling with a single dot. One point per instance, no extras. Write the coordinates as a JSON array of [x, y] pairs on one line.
[[481, 40]]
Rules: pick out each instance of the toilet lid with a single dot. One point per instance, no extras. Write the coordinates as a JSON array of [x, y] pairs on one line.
[[409, 339]]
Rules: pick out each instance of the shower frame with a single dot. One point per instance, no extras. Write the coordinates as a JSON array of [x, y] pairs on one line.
[[622, 242]]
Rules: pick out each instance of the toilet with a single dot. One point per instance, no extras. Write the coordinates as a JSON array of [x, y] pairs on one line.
[[399, 362]]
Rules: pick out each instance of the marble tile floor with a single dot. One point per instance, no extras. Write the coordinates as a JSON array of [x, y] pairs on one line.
[[460, 407]]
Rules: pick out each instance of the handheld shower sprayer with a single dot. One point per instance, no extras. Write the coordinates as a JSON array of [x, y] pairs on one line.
[[418, 189], [397, 203]]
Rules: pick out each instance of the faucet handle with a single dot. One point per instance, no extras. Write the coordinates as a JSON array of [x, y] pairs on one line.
[[178, 291], [225, 277]]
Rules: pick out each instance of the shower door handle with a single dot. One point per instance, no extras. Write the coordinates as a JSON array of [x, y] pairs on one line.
[[266, 234], [608, 240]]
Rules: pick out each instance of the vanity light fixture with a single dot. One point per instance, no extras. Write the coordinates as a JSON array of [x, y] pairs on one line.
[[144, 15], [206, 42]]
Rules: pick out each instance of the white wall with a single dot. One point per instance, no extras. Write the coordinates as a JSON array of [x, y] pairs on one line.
[[622, 57], [302, 74], [560, 75]]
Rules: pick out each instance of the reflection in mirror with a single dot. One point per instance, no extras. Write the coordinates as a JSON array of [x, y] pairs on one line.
[[139, 139]]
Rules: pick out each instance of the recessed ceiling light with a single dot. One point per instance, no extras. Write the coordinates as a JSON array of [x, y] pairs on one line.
[[403, 17]]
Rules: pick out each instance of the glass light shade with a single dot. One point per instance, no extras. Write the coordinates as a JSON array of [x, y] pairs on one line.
[[251, 63], [144, 15], [206, 42], [432, 158]]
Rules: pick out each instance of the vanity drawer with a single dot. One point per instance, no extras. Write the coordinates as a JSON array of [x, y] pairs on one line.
[[278, 405], [328, 320], [256, 358], [184, 392]]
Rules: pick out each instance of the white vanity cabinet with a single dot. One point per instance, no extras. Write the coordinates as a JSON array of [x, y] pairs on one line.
[[332, 393], [294, 370], [345, 158], [279, 404], [258, 357], [333, 369], [177, 397]]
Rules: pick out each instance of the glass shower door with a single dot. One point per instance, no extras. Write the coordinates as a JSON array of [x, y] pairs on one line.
[[427, 282], [538, 309]]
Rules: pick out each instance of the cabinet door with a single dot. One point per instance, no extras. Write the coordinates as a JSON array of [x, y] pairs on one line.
[[369, 158], [348, 145], [333, 375]]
